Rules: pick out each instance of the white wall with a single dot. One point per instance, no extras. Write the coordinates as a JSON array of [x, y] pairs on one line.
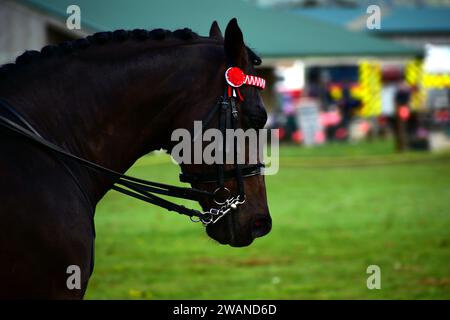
[[24, 28], [21, 29]]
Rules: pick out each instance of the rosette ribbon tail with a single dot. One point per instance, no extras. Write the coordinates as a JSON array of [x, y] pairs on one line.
[[235, 93]]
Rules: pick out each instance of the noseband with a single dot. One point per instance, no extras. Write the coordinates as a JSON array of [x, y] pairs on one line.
[[145, 190]]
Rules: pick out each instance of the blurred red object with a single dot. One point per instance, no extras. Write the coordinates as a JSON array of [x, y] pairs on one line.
[[341, 133], [403, 112], [297, 136], [320, 137], [365, 127], [442, 116]]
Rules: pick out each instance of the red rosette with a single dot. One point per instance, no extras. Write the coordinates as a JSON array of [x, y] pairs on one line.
[[235, 77]]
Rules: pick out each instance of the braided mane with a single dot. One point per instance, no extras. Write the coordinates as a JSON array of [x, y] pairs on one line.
[[99, 38]]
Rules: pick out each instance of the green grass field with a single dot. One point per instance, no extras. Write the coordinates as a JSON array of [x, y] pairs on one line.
[[336, 209]]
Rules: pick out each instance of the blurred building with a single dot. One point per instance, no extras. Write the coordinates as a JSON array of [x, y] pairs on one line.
[[421, 24], [25, 28]]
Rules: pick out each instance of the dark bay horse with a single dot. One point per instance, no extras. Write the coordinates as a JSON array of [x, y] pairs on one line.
[[109, 98]]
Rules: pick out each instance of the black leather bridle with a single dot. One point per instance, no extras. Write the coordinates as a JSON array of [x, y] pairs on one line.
[[146, 190]]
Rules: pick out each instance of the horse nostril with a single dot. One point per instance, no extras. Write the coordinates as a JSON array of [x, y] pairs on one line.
[[261, 226]]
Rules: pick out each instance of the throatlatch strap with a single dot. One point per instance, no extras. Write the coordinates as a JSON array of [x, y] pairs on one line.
[[237, 166], [224, 106]]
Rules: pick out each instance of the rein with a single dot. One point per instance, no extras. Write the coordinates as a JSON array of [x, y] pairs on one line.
[[148, 191]]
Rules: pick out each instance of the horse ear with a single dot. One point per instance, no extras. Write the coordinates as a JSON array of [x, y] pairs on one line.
[[214, 31], [234, 44]]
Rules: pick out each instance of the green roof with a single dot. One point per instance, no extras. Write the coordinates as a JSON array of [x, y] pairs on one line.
[[271, 33]]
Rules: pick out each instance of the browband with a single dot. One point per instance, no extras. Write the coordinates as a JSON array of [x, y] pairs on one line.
[[236, 78]]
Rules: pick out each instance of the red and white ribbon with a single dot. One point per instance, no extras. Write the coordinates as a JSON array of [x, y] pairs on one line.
[[236, 78], [255, 81]]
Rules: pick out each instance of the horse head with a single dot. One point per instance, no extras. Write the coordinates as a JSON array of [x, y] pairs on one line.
[[251, 219]]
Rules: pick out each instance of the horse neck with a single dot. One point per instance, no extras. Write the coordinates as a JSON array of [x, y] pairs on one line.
[[112, 114]]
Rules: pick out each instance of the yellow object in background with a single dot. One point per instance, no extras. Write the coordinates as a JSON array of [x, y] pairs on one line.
[[414, 77], [336, 92], [436, 81], [370, 88]]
